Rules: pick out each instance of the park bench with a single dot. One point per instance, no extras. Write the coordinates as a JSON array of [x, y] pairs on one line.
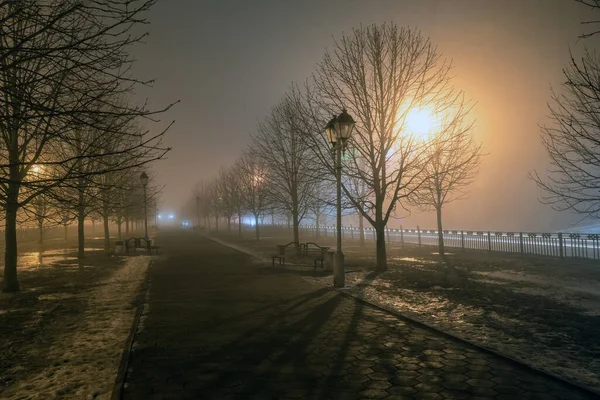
[[291, 248], [140, 242], [282, 249], [315, 252]]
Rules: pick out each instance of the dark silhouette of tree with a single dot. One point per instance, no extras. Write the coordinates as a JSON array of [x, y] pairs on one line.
[[594, 5], [281, 145], [379, 73], [64, 73], [254, 185], [572, 141], [453, 160]]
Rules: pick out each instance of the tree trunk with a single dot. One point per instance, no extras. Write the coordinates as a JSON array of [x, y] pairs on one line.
[[317, 221], [126, 226], [440, 231], [229, 224], [41, 230], [11, 283], [361, 228], [80, 227], [256, 226], [66, 233], [119, 223], [217, 223], [381, 250], [296, 226], [106, 231], [296, 231]]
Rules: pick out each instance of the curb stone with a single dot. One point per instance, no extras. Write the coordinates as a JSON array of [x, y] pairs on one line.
[[567, 381], [140, 300]]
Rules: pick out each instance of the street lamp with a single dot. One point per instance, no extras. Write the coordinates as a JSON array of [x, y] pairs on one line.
[[144, 181], [338, 131]]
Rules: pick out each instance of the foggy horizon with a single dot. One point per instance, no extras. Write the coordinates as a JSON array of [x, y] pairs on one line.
[[233, 61], [301, 199]]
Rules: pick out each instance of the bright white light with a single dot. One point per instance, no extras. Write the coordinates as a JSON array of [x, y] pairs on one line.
[[171, 216], [419, 121], [159, 216]]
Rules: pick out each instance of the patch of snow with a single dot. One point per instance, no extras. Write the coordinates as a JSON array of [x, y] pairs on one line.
[[83, 364]]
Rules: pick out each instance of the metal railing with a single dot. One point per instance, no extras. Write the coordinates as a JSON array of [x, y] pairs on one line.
[[564, 245]]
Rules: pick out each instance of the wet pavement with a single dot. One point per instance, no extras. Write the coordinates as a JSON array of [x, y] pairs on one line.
[[220, 325]]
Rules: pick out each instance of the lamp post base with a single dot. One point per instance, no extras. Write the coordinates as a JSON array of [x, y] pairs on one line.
[[339, 273]]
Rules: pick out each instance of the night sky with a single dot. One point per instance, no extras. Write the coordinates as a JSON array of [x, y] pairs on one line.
[[230, 61]]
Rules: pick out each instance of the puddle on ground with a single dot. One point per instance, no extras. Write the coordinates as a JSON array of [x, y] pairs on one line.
[[56, 296], [35, 260], [413, 260], [57, 258]]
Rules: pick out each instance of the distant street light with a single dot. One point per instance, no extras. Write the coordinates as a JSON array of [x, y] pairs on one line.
[[338, 131], [144, 181]]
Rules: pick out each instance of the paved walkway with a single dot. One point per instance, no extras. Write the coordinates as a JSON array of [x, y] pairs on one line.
[[220, 325]]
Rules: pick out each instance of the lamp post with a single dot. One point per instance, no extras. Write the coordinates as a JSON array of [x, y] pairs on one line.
[[338, 132], [144, 181]]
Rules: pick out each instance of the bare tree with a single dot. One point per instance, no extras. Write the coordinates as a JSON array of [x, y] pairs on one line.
[[572, 181], [227, 188], [283, 149], [60, 61], [230, 189], [254, 183], [595, 6], [321, 201], [453, 161], [381, 73]]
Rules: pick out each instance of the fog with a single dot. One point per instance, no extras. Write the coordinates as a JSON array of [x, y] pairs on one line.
[[229, 62]]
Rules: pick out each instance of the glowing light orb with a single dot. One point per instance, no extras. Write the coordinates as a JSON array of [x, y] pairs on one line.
[[419, 121]]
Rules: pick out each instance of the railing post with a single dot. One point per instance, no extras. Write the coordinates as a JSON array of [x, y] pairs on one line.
[[489, 241], [419, 233], [401, 235], [462, 240], [521, 242], [560, 245]]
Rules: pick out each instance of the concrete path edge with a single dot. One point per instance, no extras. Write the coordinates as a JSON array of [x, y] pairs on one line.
[[140, 301], [567, 381]]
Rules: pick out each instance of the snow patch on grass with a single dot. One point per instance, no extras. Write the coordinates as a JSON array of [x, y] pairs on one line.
[[83, 363]]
